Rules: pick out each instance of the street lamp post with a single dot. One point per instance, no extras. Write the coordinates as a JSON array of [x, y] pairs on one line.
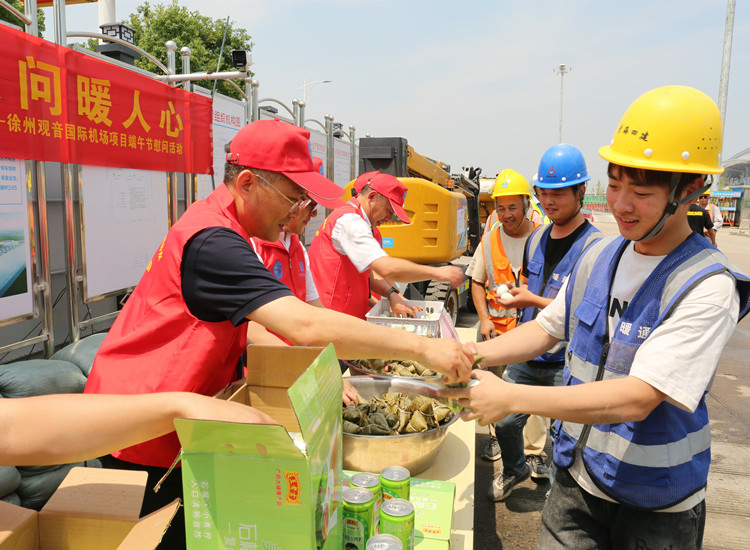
[[307, 86], [562, 70]]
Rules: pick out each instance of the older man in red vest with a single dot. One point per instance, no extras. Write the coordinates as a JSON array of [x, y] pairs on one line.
[[347, 257]]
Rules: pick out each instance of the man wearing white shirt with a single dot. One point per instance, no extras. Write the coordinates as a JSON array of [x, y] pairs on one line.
[[704, 201], [347, 258]]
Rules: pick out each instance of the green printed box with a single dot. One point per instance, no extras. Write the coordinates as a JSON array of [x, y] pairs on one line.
[[269, 487], [433, 512]]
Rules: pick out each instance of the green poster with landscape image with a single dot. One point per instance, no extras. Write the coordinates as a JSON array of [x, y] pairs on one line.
[[15, 254]]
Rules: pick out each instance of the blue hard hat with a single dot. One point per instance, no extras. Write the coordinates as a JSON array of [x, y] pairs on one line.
[[561, 166]]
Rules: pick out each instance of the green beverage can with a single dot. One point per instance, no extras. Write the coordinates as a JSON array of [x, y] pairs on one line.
[[384, 542], [372, 482], [397, 519], [452, 402], [359, 524], [395, 482]]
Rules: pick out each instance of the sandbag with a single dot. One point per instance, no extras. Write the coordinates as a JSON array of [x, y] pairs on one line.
[[10, 477], [12, 498], [26, 471], [81, 353], [40, 377]]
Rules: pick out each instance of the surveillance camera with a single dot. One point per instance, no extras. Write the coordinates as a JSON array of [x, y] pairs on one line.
[[241, 59]]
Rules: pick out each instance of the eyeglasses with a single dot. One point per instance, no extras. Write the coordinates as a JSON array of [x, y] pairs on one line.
[[297, 205]]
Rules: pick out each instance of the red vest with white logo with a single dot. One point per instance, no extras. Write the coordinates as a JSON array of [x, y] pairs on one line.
[[340, 285], [157, 345], [288, 266]]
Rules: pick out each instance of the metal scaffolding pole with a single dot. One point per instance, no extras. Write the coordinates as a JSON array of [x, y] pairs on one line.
[[726, 57], [562, 70]]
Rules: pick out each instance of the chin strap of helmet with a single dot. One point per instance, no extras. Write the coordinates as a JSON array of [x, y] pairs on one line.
[[672, 204]]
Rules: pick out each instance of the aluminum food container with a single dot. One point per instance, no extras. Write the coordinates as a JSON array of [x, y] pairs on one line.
[[372, 453]]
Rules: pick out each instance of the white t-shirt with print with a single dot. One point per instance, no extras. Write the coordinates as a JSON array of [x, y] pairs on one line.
[[513, 247], [680, 356]]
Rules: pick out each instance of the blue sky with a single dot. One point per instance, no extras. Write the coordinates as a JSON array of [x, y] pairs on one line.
[[472, 82]]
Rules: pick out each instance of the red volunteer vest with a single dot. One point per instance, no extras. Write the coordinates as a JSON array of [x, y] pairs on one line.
[[287, 266], [340, 286], [157, 345]]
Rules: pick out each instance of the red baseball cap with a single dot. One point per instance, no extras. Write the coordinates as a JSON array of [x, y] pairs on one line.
[[389, 187], [281, 147]]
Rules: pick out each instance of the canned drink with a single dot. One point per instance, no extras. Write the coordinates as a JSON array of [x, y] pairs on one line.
[[384, 542], [452, 402], [397, 519], [359, 524], [395, 482], [370, 481]]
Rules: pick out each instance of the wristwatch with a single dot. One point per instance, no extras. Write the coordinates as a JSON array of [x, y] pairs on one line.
[[391, 291]]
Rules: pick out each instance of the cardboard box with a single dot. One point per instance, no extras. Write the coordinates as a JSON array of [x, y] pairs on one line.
[[93, 509], [270, 487], [433, 512]]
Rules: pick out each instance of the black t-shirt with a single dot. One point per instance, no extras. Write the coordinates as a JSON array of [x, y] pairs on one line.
[[555, 251], [699, 219], [223, 279]]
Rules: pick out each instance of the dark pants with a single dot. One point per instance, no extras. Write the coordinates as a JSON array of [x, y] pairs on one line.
[[575, 519], [171, 488], [509, 430]]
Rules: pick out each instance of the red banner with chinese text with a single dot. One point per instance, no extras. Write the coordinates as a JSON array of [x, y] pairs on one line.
[[60, 105]]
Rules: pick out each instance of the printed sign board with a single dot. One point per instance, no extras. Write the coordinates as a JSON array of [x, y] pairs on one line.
[[228, 116], [16, 297], [125, 217]]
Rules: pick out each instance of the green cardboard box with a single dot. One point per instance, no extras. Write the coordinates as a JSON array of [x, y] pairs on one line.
[[269, 487], [433, 513]]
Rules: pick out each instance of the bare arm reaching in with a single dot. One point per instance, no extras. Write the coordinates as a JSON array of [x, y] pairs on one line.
[[62, 428]]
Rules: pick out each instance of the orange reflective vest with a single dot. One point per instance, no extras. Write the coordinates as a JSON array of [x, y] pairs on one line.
[[501, 272]]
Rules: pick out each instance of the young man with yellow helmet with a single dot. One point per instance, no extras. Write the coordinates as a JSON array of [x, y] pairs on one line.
[[646, 316], [717, 220]]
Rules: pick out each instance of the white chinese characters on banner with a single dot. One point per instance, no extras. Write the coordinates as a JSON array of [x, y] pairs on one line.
[[16, 297]]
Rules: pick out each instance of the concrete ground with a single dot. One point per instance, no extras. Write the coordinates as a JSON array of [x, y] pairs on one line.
[[514, 524]]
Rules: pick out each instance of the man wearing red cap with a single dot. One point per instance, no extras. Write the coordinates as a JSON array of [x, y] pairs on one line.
[[347, 258], [183, 327]]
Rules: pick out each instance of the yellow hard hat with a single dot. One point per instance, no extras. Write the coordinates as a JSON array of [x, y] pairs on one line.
[[509, 182], [707, 192], [673, 129]]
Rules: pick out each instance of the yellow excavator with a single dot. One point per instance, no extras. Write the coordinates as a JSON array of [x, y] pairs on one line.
[[445, 212]]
